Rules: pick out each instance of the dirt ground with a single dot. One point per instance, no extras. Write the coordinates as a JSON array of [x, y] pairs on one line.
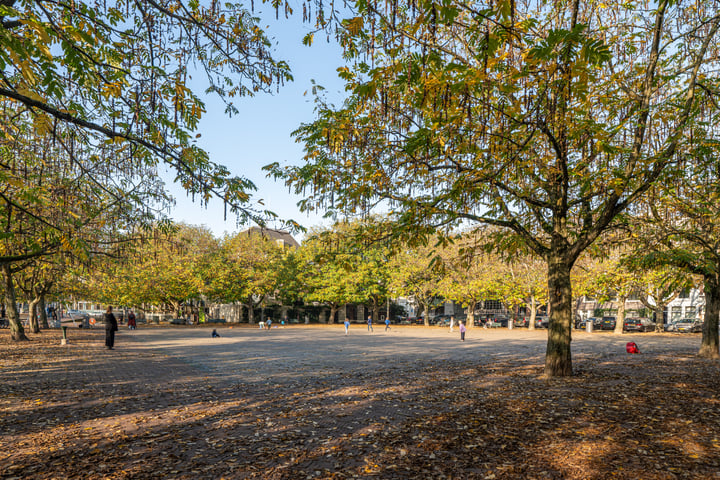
[[309, 402]]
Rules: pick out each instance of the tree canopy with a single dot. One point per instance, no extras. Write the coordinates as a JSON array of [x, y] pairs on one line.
[[547, 119], [121, 73]]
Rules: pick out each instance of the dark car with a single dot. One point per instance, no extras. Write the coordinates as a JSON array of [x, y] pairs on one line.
[[608, 323], [639, 325]]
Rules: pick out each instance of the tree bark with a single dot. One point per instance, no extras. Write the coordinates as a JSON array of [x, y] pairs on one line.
[[558, 358], [426, 306], [620, 319], [533, 313], [17, 332], [333, 310], [43, 312], [470, 320], [33, 317], [659, 324], [709, 345]]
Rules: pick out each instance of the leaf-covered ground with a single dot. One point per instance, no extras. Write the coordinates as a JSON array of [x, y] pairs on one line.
[[80, 411]]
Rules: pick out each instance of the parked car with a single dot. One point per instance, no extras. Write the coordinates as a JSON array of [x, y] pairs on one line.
[[498, 322], [670, 326], [596, 322], [639, 325], [542, 321], [608, 323], [689, 325], [582, 323], [77, 314], [521, 322], [441, 321]]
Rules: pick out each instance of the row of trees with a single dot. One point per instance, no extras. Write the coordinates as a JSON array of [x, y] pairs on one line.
[[336, 267]]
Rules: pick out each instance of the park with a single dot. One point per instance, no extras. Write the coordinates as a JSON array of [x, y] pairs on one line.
[[307, 402], [549, 164]]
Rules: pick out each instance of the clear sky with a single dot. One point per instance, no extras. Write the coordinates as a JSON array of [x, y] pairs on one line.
[[260, 133]]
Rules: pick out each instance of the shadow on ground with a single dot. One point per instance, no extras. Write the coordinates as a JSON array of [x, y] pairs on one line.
[[310, 404]]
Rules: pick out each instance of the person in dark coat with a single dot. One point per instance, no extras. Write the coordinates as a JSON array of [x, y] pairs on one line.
[[111, 327]]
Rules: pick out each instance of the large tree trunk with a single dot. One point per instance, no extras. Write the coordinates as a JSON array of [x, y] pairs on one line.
[[470, 320], [333, 310], [533, 313], [659, 323], [620, 319], [17, 332], [33, 316], [709, 345], [43, 312], [558, 358]]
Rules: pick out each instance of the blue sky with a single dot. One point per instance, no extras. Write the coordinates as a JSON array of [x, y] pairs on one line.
[[260, 133]]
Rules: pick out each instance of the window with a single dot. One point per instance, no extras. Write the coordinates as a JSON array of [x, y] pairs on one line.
[[685, 293], [690, 312], [676, 313]]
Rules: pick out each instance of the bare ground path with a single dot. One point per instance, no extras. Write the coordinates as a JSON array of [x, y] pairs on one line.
[[309, 402]]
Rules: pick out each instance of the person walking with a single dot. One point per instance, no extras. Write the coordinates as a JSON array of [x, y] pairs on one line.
[[387, 324], [452, 323], [111, 326], [347, 325], [462, 331], [268, 323], [369, 322], [132, 324]]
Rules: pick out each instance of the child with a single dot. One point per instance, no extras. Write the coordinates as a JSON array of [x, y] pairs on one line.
[[462, 331], [215, 333]]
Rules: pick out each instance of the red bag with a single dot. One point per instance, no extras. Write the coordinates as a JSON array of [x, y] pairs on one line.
[[632, 347]]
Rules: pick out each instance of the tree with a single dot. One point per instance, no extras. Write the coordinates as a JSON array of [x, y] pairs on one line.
[[64, 201], [121, 73], [547, 120], [658, 286], [471, 274], [416, 272], [327, 256], [681, 230], [165, 270], [609, 277], [531, 276], [261, 259]]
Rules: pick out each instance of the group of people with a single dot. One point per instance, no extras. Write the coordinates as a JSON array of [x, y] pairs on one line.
[[461, 326]]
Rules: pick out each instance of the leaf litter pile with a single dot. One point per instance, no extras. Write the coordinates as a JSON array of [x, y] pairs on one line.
[[82, 412]]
